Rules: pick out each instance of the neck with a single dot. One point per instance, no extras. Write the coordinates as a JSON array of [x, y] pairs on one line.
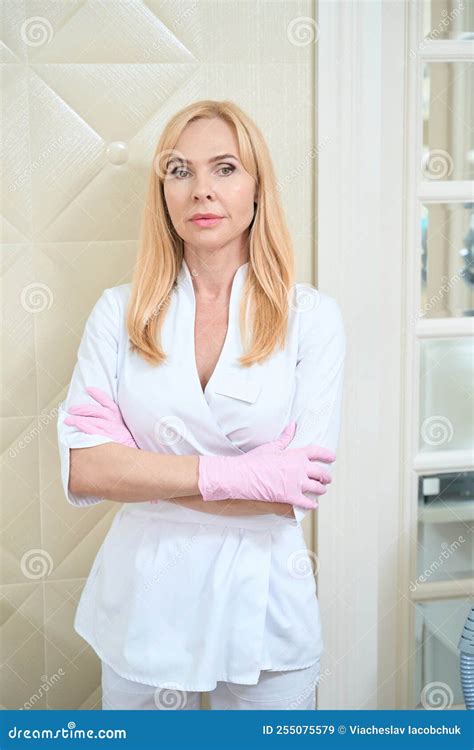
[[212, 278]]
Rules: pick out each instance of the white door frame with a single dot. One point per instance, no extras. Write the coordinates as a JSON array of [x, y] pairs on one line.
[[369, 193], [360, 257]]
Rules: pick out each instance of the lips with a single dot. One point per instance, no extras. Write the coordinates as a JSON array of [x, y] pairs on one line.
[[206, 220], [205, 216]]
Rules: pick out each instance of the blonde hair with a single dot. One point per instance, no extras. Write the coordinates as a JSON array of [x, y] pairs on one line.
[[270, 275]]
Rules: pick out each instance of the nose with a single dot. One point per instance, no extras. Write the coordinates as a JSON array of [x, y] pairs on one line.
[[203, 187]]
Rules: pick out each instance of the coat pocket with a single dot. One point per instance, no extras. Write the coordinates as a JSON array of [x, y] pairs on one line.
[[238, 386]]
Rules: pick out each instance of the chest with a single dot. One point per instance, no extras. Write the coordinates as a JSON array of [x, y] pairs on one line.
[[202, 400], [210, 330]]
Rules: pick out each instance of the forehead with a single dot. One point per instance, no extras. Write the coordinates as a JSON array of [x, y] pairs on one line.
[[202, 139]]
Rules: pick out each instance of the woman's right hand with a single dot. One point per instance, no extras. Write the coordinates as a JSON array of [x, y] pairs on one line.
[[268, 473]]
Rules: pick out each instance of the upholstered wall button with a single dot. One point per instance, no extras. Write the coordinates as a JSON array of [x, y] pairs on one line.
[[117, 152]]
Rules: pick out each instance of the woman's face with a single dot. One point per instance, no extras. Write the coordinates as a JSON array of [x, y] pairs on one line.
[[197, 182]]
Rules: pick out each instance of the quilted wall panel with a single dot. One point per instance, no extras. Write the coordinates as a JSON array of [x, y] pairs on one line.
[[87, 87]]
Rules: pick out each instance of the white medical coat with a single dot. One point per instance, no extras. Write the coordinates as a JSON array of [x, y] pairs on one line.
[[181, 598]]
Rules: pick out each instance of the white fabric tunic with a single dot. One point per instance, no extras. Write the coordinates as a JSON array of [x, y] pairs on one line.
[[178, 597]]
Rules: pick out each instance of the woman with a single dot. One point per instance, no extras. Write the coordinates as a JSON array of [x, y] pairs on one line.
[[228, 379]]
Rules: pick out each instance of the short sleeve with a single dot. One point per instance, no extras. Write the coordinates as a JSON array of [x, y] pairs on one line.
[[317, 401], [96, 366]]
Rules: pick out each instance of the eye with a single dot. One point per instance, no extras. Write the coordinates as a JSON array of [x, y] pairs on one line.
[[177, 170], [228, 166]]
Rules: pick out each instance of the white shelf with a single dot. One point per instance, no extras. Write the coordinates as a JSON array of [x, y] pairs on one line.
[[436, 462], [447, 511]]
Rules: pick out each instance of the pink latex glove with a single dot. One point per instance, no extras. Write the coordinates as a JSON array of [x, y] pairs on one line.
[[268, 473], [105, 419]]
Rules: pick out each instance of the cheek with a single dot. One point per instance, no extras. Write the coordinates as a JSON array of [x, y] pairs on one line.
[[241, 192], [240, 203], [176, 205], [172, 199]]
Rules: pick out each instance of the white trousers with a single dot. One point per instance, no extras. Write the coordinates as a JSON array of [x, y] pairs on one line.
[[292, 690]]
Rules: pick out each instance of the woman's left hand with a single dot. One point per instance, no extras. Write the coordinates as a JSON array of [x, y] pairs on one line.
[[104, 419]]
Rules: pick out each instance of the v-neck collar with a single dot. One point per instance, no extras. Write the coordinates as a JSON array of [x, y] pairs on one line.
[[185, 283], [228, 358]]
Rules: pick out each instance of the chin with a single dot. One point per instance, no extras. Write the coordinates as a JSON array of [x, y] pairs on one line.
[[213, 243]]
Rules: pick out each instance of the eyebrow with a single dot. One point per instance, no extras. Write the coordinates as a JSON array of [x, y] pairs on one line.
[[210, 161]]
